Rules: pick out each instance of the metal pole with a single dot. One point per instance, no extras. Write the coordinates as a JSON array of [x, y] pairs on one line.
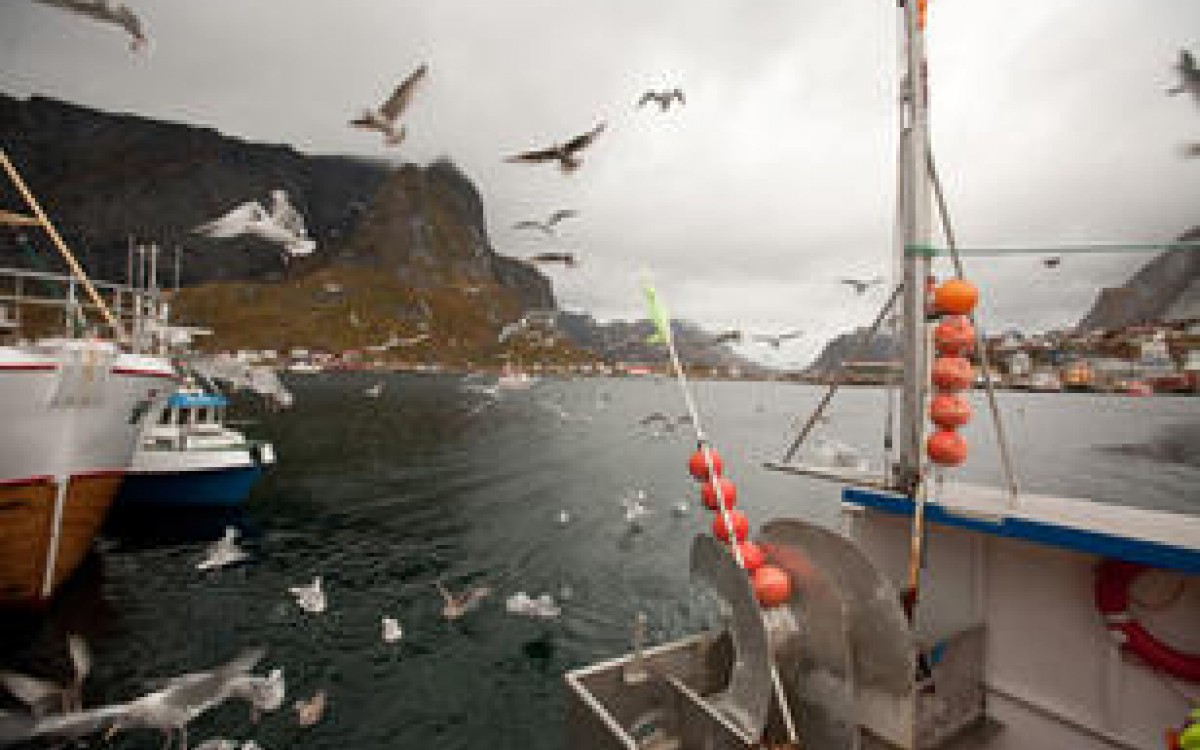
[[46, 224]]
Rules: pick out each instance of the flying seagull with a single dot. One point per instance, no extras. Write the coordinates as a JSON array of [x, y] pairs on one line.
[[1052, 262], [168, 710], [547, 226], [774, 340], [566, 154], [310, 598], [567, 259], [726, 337], [392, 631], [107, 11], [1189, 76], [309, 712], [664, 99], [282, 226], [862, 285], [44, 697], [457, 605], [384, 118]]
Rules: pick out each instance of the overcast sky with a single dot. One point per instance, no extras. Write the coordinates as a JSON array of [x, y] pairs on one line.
[[1050, 123]]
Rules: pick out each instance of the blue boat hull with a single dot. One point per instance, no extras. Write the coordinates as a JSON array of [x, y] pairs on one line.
[[214, 487]]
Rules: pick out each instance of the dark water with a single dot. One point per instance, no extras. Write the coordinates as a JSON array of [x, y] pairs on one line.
[[383, 497]]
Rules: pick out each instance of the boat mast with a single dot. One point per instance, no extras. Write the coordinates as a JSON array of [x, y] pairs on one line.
[[916, 225]]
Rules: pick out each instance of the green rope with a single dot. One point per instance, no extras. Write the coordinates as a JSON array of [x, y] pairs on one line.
[[1097, 247]]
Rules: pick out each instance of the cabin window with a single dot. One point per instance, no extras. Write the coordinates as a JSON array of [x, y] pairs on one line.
[[165, 416], [202, 415]]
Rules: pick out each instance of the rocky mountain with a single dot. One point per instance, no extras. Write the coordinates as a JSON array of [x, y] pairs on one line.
[[847, 347], [628, 341], [1165, 288], [106, 178]]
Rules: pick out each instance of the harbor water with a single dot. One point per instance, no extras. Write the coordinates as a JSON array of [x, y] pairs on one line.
[[434, 480]]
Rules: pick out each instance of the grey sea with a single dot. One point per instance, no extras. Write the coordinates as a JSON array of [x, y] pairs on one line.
[[433, 482]]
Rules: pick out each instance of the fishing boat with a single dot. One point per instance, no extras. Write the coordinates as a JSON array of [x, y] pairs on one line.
[[187, 456], [71, 408], [938, 614]]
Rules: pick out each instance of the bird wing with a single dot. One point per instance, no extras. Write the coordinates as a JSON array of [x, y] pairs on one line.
[[545, 154], [235, 222], [202, 687], [1186, 61], [79, 723], [529, 224], [553, 258], [559, 215], [583, 141], [81, 656], [399, 99], [789, 335], [678, 94], [286, 215], [649, 96], [476, 595], [31, 691]]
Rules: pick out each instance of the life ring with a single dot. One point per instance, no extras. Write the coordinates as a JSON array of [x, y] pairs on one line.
[[1113, 579]]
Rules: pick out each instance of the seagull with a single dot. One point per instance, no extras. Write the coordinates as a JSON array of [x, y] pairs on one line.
[[107, 12], [374, 391], [727, 337], [680, 508], [168, 710], [1052, 262], [775, 340], [384, 118], [544, 606], [658, 420], [565, 153], [310, 598], [262, 693], [1189, 76], [635, 509], [392, 631], [281, 226], [224, 551], [309, 712], [862, 285], [458, 605], [664, 99], [567, 259], [547, 227], [44, 697], [563, 518]]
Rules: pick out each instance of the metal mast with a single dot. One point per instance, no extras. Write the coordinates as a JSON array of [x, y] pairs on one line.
[[917, 231]]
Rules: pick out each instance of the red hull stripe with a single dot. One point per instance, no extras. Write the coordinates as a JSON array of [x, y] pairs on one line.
[[143, 373], [26, 481], [31, 367]]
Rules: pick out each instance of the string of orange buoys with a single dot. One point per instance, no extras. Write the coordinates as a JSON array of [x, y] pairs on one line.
[[952, 373], [772, 586]]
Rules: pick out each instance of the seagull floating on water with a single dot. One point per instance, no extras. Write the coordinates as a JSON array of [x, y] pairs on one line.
[[384, 118], [309, 712], [457, 605], [224, 551], [374, 391], [392, 631], [563, 518], [311, 598], [664, 99], [543, 607], [44, 697], [282, 225], [168, 710], [107, 11], [566, 154]]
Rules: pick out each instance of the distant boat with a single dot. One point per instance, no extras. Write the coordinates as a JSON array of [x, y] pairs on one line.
[[187, 456]]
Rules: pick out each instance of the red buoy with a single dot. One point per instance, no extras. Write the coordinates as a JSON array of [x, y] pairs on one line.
[[772, 586], [955, 297], [753, 556], [728, 492], [946, 447], [741, 526], [699, 468], [954, 336], [949, 410], [952, 374]]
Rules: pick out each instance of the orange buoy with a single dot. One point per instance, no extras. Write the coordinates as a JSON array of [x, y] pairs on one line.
[[728, 492], [772, 586], [699, 467], [952, 374], [949, 410], [741, 526], [946, 447], [955, 297], [753, 556], [954, 336]]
